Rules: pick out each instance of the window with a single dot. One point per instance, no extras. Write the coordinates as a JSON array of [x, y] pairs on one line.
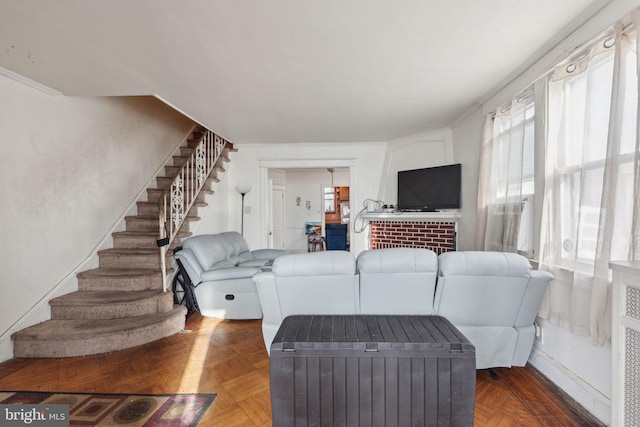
[[507, 178], [579, 143], [329, 200], [591, 190]]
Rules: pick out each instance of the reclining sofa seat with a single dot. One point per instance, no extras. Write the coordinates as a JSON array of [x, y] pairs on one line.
[[397, 281], [221, 268], [492, 298], [308, 283]]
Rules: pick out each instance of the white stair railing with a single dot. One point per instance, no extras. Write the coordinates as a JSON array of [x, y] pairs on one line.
[[179, 197]]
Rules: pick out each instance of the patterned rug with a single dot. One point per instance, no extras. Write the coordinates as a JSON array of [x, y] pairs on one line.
[[94, 409]]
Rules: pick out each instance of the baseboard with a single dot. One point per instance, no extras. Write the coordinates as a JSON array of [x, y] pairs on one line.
[[587, 396], [6, 349], [38, 313]]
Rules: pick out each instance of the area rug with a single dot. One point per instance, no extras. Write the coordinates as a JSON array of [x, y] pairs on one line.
[[95, 409]]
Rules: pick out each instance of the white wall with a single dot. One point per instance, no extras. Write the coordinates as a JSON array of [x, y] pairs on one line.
[[214, 218], [467, 139], [582, 370], [252, 162], [70, 169], [414, 152]]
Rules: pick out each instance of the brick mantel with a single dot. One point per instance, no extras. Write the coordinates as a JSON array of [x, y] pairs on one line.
[[448, 216], [431, 230]]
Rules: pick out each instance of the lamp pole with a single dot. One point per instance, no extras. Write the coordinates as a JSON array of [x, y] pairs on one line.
[[243, 190]]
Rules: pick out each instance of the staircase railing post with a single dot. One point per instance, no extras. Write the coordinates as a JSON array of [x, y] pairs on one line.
[[163, 240], [163, 266]]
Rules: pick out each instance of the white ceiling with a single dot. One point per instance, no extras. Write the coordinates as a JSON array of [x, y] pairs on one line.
[[288, 70]]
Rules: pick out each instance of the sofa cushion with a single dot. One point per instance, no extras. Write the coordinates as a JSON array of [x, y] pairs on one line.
[[254, 263], [315, 264], [207, 250], [225, 263], [268, 254], [397, 281], [262, 257], [481, 288], [394, 260], [242, 258], [236, 247], [478, 263]]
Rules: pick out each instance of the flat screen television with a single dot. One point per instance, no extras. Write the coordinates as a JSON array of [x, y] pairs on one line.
[[429, 189]]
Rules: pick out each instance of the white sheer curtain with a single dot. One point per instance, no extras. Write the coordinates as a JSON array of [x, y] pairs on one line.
[[590, 208], [506, 177]]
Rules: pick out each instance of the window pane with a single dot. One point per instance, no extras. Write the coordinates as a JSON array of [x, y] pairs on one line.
[[513, 152], [579, 109]]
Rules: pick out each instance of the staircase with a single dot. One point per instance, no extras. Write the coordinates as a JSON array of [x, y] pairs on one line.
[[121, 304]]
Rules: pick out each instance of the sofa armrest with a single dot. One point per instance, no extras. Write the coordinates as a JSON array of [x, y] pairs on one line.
[[191, 265], [268, 254], [536, 288], [228, 273], [266, 285], [255, 263]]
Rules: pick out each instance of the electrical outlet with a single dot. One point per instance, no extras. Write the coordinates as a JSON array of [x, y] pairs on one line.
[[539, 333]]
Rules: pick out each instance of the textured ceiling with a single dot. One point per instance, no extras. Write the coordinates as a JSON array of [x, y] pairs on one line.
[[287, 70]]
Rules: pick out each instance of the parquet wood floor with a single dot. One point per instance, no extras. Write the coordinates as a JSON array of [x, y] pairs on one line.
[[228, 358]]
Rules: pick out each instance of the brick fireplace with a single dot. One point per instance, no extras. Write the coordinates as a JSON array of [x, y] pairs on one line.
[[432, 231]]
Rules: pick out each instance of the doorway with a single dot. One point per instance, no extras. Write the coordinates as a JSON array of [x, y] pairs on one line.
[[298, 201]]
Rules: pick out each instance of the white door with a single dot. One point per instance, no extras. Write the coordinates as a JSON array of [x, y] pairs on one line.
[[277, 216]]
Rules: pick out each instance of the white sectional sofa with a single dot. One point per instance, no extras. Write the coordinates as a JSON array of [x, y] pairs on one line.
[[491, 297], [221, 268]]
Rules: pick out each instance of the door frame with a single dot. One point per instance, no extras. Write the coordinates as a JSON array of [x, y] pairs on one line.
[[265, 165], [270, 237]]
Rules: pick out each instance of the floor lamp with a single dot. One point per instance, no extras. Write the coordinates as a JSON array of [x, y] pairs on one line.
[[242, 189]]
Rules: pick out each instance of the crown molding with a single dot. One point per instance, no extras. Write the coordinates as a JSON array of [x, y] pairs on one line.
[[31, 83]]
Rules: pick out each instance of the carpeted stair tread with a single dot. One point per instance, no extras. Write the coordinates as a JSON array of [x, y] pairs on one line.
[[141, 217], [85, 298], [110, 304], [52, 330], [136, 233], [120, 279], [154, 221], [130, 251], [147, 233], [135, 239], [119, 272], [70, 338], [131, 258], [143, 239]]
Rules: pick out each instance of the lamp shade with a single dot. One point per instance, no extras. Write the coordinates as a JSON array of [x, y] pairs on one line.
[[243, 189]]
